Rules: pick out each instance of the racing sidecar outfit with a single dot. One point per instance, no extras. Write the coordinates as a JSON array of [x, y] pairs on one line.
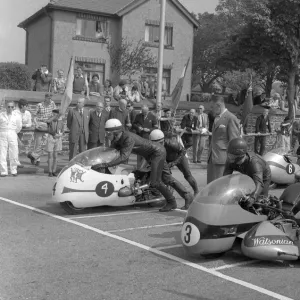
[[255, 167], [154, 153], [176, 157]]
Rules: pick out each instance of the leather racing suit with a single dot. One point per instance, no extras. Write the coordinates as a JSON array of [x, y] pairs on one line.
[[176, 157], [255, 167], [154, 153]]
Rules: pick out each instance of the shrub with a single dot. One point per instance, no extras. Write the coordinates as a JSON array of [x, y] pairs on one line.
[[14, 76]]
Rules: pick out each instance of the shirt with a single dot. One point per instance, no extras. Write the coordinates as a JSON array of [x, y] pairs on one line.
[[59, 85], [10, 122], [26, 118], [43, 113]]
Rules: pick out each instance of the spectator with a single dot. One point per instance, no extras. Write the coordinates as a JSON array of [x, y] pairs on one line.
[[10, 126], [167, 124], [98, 117], [121, 113], [121, 91], [188, 123], [134, 95], [95, 88], [259, 99], [25, 113], [136, 83], [107, 101], [158, 113], [262, 124], [144, 87], [59, 83], [108, 89], [285, 134], [41, 115], [54, 141], [225, 128], [43, 79], [79, 84], [132, 114], [295, 133], [200, 140], [78, 124]]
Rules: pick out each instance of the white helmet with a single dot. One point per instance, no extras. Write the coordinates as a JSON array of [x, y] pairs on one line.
[[156, 135], [113, 125]]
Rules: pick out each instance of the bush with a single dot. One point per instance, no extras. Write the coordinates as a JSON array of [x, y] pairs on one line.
[[14, 76]]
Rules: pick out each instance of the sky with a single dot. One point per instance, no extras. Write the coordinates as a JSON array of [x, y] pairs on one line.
[[12, 12]]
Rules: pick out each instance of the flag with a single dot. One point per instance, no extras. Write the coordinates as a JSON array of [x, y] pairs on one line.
[[176, 94], [67, 96], [248, 105]]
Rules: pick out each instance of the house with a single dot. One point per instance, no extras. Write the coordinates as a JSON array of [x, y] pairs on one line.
[[82, 28]]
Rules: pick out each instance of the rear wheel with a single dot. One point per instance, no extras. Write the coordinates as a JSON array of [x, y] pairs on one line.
[[71, 209]]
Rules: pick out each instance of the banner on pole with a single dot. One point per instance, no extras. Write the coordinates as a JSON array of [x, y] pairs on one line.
[[67, 96]]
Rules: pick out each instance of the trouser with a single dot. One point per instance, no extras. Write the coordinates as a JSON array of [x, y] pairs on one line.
[[52, 161], [214, 171], [265, 191], [169, 180], [260, 145], [39, 140], [187, 140], [286, 143], [198, 146], [295, 139], [140, 160], [94, 145], [73, 146], [158, 163], [184, 168], [9, 142]]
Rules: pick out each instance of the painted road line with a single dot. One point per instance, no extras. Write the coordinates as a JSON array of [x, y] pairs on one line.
[[168, 247], [144, 227], [243, 263], [111, 215], [155, 251]]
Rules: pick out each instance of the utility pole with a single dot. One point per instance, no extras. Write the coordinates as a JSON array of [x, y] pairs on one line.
[[161, 50]]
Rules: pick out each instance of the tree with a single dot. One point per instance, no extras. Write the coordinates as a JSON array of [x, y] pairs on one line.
[[14, 76], [280, 21], [129, 57]]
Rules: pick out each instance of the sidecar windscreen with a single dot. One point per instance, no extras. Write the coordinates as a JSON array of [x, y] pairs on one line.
[[279, 151], [227, 189], [95, 156]]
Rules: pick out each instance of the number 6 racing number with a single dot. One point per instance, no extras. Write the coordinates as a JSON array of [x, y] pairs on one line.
[[290, 169], [104, 189], [190, 234]]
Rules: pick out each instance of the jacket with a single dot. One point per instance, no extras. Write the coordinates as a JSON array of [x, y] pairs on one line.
[[42, 81], [122, 116], [97, 126], [132, 143], [189, 123], [74, 121], [262, 124], [175, 151], [203, 122], [150, 122], [224, 130], [254, 166], [55, 127]]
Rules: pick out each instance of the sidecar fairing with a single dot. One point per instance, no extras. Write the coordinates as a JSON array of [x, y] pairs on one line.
[[215, 217], [282, 168], [78, 186]]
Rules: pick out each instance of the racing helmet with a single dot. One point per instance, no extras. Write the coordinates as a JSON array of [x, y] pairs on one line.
[[113, 125], [237, 146], [156, 135]]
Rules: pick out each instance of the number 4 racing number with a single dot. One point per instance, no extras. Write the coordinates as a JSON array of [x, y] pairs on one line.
[[190, 234], [290, 169], [104, 189]]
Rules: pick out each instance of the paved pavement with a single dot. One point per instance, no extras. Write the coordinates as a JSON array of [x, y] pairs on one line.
[[117, 253]]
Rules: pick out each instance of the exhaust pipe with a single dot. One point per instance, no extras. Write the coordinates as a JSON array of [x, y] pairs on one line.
[[151, 201], [142, 187]]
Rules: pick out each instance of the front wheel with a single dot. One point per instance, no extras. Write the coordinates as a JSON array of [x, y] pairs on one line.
[[71, 209]]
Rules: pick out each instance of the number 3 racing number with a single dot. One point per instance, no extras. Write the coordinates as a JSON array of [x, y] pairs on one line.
[[104, 189], [190, 234], [290, 169]]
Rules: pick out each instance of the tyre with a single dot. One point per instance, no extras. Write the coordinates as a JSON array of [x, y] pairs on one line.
[[71, 209], [272, 186]]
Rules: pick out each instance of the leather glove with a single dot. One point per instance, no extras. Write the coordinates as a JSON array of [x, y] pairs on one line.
[[99, 166]]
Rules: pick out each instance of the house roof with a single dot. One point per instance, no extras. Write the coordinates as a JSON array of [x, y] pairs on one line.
[[116, 8]]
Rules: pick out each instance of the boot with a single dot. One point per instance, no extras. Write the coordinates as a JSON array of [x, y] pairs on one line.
[[169, 206], [188, 201], [191, 180]]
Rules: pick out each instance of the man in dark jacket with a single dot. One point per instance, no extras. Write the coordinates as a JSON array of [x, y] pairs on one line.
[[189, 123], [127, 143], [176, 156], [262, 124], [43, 79], [253, 165], [97, 122]]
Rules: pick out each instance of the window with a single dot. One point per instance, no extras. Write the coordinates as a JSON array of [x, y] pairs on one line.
[[151, 74], [91, 69], [152, 34], [92, 28]]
